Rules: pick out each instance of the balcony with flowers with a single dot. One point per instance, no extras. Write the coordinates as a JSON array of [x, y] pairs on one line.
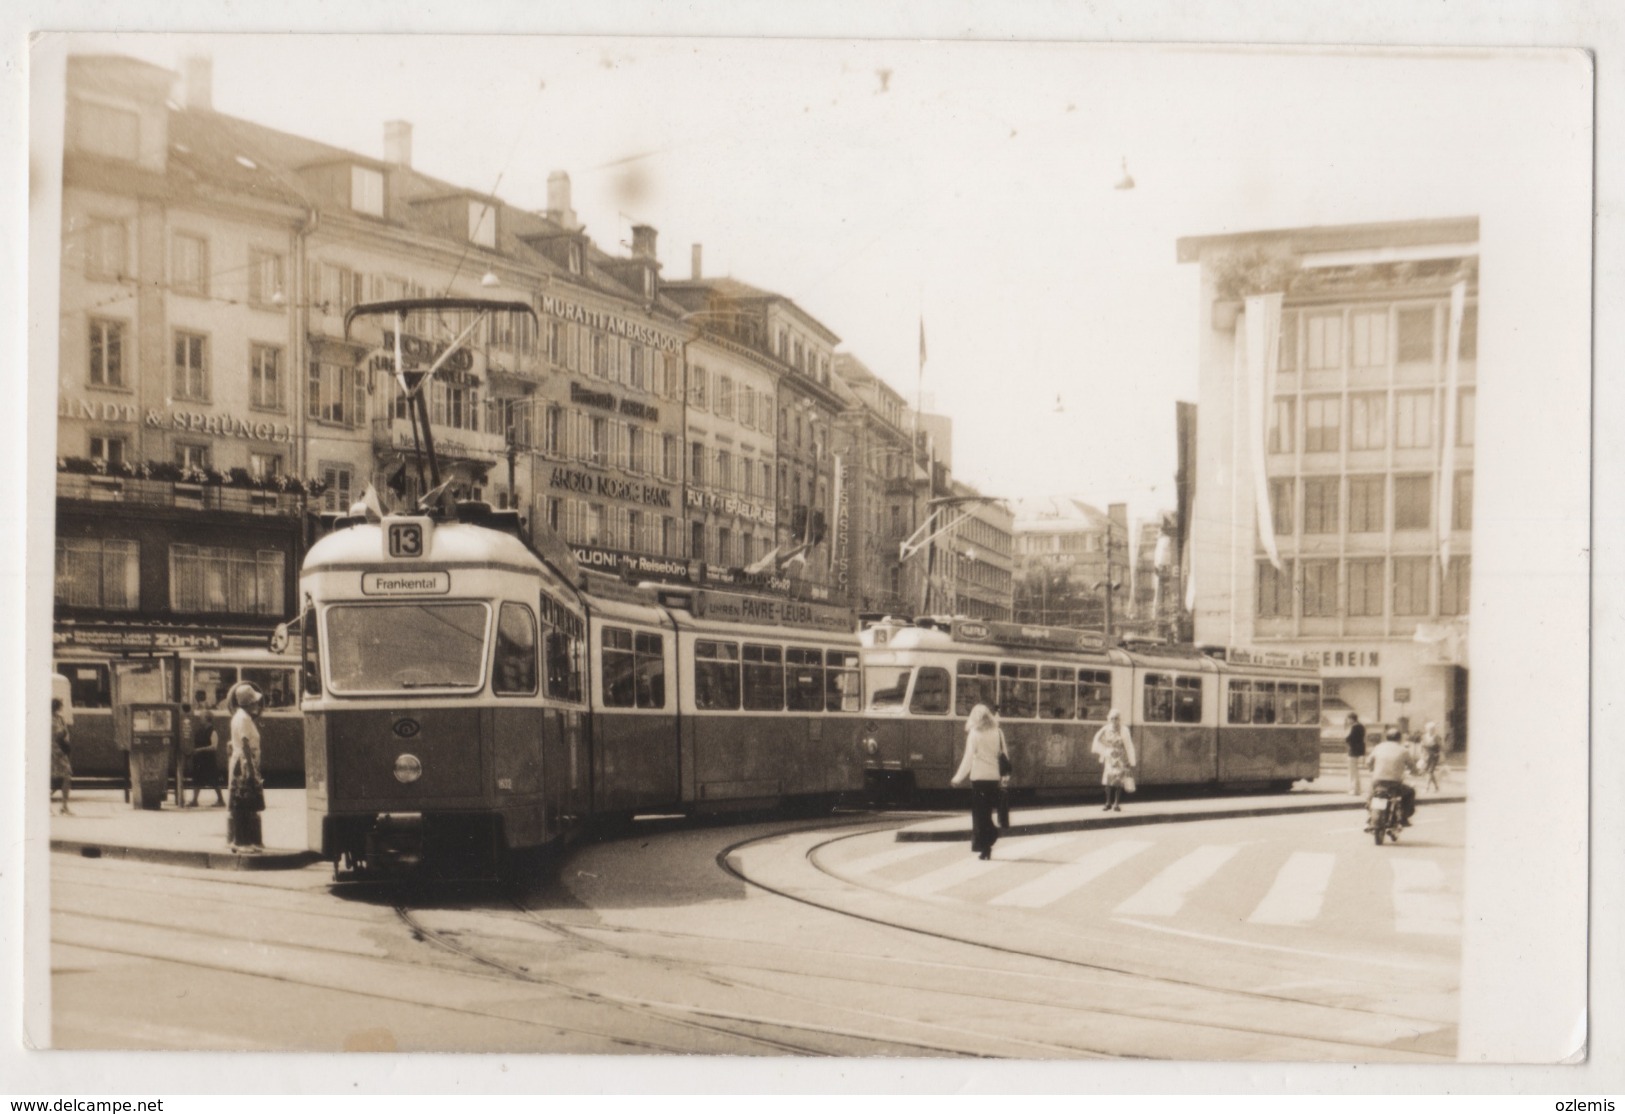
[[170, 485]]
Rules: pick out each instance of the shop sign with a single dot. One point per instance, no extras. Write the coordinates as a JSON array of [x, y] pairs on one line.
[[96, 410], [843, 559], [762, 581], [134, 638], [638, 566], [609, 323], [418, 353], [1270, 657], [771, 611], [604, 400], [1343, 659], [729, 504], [588, 483], [219, 425]]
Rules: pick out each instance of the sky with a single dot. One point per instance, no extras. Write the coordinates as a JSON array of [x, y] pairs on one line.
[[968, 186]]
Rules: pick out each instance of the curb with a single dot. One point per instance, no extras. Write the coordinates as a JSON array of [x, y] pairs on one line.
[[203, 860], [1086, 823]]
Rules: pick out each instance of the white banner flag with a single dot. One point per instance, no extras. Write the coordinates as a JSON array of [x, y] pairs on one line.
[[1447, 454], [1262, 338]]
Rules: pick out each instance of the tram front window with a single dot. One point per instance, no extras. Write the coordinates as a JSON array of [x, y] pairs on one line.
[[887, 685], [405, 646]]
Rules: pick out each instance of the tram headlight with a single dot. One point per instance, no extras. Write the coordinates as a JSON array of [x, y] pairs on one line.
[[871, 744], [408, 769]]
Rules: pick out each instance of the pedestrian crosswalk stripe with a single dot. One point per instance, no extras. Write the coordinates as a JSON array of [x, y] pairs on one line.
[[1055, 884], [1165, 894], [1298, 891], [1020, 848], [871, 863], [963, 870], [1422, 906]]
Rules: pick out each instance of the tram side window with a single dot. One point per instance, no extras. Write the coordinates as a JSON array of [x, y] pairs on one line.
[[619, 668], [1018, 690], [887, 685], [1187, 700], [804, 679], [976, 683], [930, 692], [1286, 703], [716, 675], [1309, 704], [1057, 692], [211, 683], [1094, 693], [513, 670], [650, 653], [563, 640], [1159, 698], [311, 652], [841, 691], [90, 685], [764, 678], [1241, 701], [1263, 701], [275, 683]]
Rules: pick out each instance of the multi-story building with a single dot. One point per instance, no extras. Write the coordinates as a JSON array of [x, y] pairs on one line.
[[974, 555], [1365, 431], [1060, 563], [179, 433], [800, 353], [885, 491]]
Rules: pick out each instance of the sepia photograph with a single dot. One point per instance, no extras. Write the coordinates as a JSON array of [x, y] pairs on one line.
[[631, 552]]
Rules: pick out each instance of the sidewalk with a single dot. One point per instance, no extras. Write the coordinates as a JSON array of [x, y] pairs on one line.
[[104, 826], [1327, 793]]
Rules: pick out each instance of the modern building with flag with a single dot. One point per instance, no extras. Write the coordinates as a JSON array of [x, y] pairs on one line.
[[1334, 508]]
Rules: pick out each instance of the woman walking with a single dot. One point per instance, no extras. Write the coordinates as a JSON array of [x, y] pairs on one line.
[[1115, 749], [984, 745], [244, 789], [61, 754]]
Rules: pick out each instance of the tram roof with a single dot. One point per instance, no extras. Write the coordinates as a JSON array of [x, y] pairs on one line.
[[364, 545]]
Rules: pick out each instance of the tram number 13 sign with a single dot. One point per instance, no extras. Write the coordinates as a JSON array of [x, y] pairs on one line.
[[406, 539]]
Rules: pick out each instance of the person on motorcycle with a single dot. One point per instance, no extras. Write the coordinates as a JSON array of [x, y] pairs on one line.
[[1389, 762]]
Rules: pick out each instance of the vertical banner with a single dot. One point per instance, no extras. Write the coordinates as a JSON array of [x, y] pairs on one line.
[[840, 529], [1263, 339], [1447, 449]]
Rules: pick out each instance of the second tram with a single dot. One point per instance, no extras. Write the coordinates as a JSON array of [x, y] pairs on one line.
[[1196, 720]]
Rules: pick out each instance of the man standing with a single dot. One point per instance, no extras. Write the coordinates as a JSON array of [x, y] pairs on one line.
[[1356, 742]]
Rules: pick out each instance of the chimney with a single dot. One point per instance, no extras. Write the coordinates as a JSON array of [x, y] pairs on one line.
[[197, 82], [694, 263], [558, 201], [398, 143], [643, 241]]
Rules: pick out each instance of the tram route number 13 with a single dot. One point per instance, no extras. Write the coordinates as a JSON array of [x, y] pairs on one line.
[[406, 539]]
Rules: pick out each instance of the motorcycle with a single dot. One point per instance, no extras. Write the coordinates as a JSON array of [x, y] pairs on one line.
[[1384, 814]]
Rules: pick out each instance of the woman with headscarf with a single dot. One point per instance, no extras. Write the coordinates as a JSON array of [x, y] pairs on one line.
[[244, 789], [1432, 753], [1115, 749], [984, 743]]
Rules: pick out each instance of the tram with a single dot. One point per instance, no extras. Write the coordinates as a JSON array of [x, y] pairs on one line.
[[1198, 721], [463, 698], [193, 677]]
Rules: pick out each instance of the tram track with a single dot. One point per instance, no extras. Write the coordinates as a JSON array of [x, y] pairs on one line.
[[1126, 973]]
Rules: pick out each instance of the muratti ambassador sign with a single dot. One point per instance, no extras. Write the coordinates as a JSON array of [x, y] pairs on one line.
[[609, 322]]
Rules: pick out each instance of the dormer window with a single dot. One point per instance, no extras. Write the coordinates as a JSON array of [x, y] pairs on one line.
[[648, 283], [575, 258], [109, 131], [482, 224], [367, 191]]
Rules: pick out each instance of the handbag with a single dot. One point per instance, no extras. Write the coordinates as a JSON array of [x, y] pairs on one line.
[[247, 794], [1128, 783], [1004, 759]]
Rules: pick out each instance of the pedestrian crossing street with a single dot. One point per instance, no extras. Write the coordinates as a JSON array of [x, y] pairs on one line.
[[1141, 877]]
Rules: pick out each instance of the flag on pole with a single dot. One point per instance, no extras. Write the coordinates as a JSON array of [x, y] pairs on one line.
[[1262, 324]]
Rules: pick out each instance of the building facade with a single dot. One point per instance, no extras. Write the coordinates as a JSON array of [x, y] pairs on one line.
[[884, 488], [1060, 563], [1365, 433]]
